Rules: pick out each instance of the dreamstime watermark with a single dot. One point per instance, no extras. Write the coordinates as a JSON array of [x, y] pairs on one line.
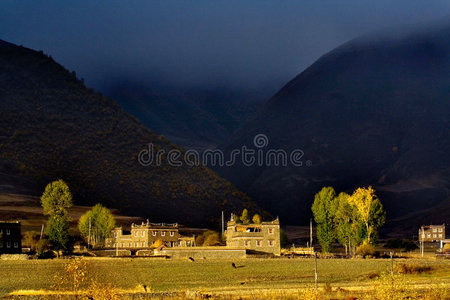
[[257, 156]]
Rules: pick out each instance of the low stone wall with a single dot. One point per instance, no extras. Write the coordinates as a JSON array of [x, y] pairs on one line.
[[204, 253], [111, 252], [145, 252], [14, 256]]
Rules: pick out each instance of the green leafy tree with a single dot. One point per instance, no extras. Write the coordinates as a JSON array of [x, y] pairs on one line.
[[323, 210], [377, 218], [55, 201], [244, 217], [344, 218], [58, 232], [56, 198], [256, 219], [101, 222]]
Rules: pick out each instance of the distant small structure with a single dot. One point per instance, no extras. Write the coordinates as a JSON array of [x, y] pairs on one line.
[[431, 233], [264, 237], [146, 234], [443, 243], [10, 237]]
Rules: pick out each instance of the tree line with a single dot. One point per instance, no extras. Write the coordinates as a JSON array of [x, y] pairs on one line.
[[351, 220], [94, 226]]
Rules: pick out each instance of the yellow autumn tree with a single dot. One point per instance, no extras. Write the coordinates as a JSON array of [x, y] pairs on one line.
[[369, 208], [256, 219], [158, 243]]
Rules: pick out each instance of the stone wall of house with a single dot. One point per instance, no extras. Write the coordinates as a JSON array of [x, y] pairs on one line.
[[432, 233], [144, 236], [264, 237]]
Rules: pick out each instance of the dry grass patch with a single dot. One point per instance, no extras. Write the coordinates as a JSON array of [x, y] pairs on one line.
[[405, 268]]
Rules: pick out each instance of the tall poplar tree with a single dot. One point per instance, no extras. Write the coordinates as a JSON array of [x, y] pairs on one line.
[[55, 201], [369, 208], [323, 210]]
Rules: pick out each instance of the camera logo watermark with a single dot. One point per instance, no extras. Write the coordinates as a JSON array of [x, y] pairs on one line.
[[258, 155]]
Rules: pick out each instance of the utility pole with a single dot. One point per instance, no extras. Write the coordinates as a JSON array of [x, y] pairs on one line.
[[310, 233], [421, 237], [223, 224], [392, 264], [89, 234], [42, 232], [315, 271]]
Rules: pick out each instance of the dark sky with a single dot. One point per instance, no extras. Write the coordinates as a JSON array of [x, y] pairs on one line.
[[253, 44]]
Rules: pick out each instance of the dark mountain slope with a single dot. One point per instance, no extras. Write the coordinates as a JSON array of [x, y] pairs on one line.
[[373, 111], [193, 118], [52, 126]]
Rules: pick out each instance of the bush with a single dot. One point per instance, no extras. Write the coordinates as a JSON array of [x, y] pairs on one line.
[[446, 248], [373, 275], [212, 240], [158, 243], [31, 239], [208, 238], [199, 240], [412, 269], [404, 244], [366, 250], [42, 247]]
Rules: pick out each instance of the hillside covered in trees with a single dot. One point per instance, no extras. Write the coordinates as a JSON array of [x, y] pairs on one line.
[[52, 127]]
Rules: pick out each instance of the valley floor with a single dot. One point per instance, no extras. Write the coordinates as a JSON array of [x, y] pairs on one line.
[[253, 278]]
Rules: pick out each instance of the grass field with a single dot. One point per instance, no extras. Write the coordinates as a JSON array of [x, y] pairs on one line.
[[219, 277]]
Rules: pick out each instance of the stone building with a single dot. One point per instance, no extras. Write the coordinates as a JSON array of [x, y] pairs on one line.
[[10, 237], [432, 233], [146, 234], [264, 237]]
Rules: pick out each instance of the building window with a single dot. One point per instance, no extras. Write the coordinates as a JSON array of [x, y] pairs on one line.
[[434, 235], [440, 229], [8, 232], [8, 244], [247, 243], [440, 236], [136, 233], [434, 229], [271, 243], [16, 245], [172, 233], [115, 234], [270, 230], [163, 233], [154, 232], [142, 233], [258, 243], [429, 236]]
